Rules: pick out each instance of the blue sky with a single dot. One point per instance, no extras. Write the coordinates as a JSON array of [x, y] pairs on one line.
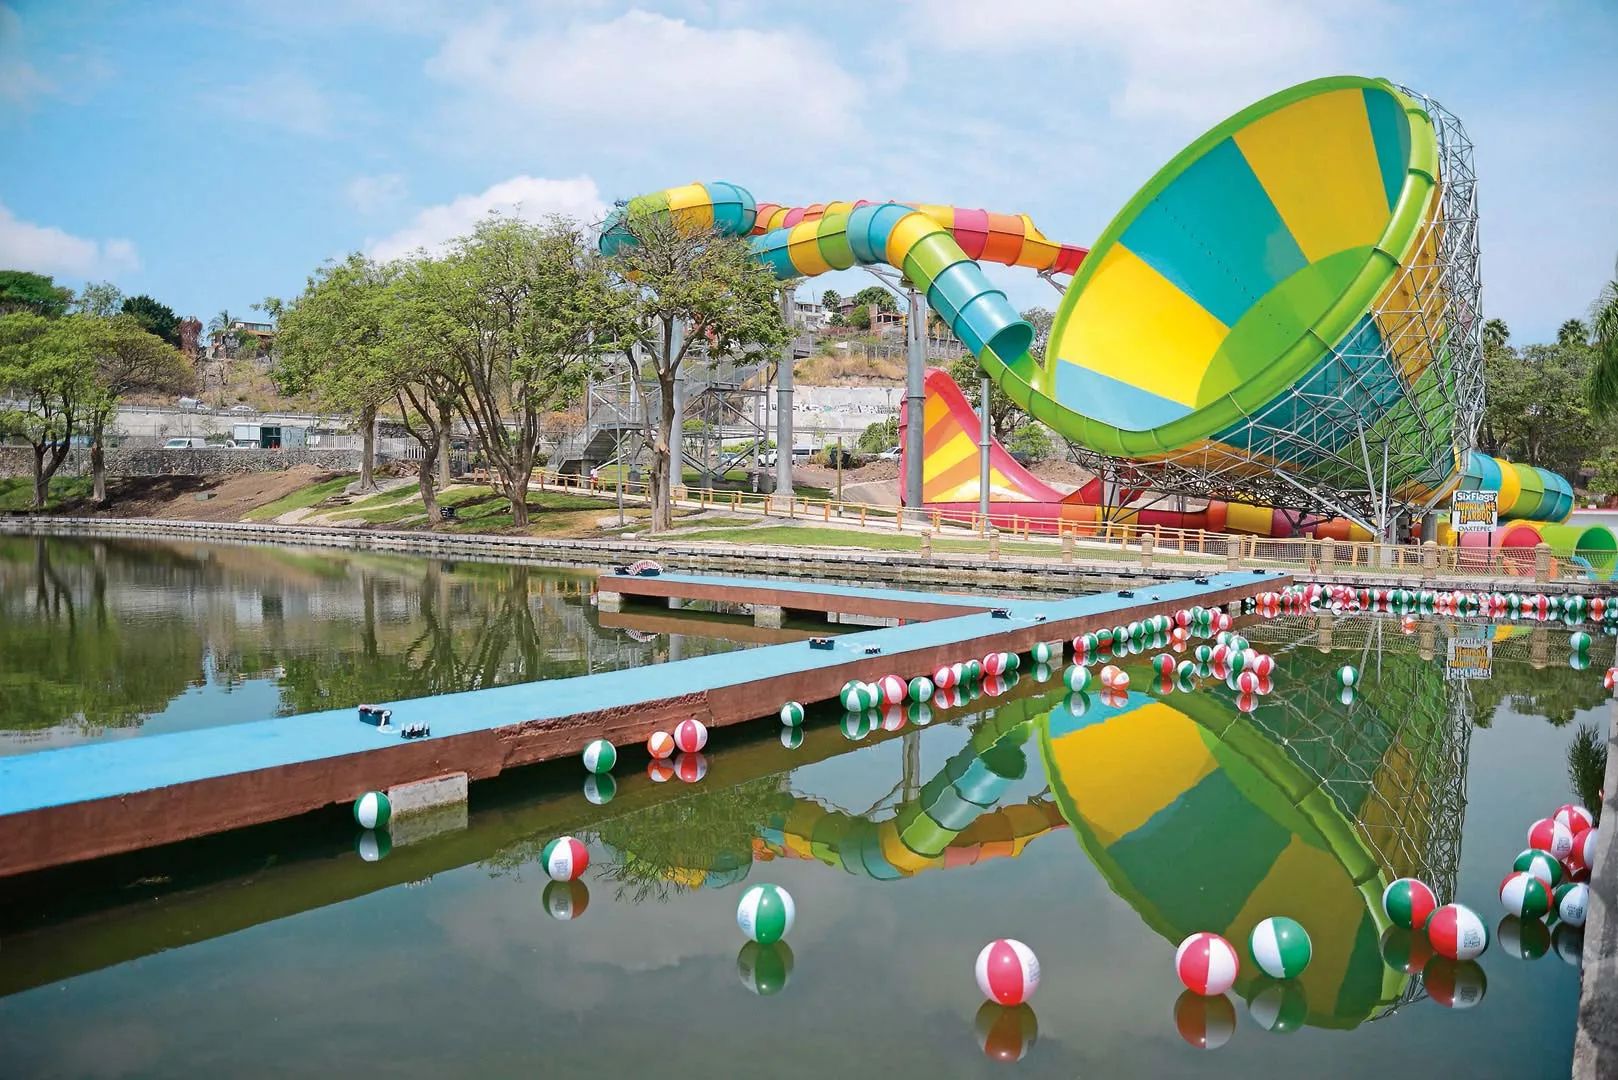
[[213, 153]]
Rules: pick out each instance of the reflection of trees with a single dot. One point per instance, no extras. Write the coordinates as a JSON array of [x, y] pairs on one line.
[[1555, 692], [65, 658], [1587, 767]]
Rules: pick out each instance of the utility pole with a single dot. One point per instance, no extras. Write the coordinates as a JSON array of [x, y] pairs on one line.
[[915, 399], [839, 474], [783, 403]]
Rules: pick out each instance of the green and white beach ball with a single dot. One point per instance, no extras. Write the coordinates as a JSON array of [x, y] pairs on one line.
[[791, 714], [765, 913], [600, 756], [564, 858], [1041, 652], [372, 810], [1076, 678], [920, 689], [1348, 675], [1280, 947]]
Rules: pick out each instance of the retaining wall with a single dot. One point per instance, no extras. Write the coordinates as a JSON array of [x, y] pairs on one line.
[[208, 461]]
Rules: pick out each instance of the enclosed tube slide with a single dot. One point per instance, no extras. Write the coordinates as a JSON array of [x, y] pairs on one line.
[[1526, 493]]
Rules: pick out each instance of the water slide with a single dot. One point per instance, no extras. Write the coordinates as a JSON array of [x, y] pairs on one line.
[[1282, 308]]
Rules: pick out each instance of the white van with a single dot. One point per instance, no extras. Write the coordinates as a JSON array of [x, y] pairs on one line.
[[189, 442]]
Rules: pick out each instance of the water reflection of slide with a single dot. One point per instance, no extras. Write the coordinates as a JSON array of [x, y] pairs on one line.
[[1202, 820]]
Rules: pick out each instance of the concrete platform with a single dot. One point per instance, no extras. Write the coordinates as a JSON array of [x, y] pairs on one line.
[[77, 803]]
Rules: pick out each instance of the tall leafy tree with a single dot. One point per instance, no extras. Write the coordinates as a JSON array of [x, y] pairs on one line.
[[427, 389], [1603, 387], [47, 387], [127, 360], [523, 311], [878, 298], [157, 318], [35, 294], [681, 285], [332, 345], [102, 299], [1573, 332]]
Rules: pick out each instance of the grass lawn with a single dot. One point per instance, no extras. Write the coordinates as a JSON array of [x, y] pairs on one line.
[[17, 492], [298, 500]]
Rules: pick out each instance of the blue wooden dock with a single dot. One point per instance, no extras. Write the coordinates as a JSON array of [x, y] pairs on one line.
[[66, 805]]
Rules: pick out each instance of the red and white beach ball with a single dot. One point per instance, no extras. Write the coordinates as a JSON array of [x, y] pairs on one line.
[[994, 663], [944, 678], [1549, 835], [1007, 971], [660, 745], [1524, 895], [1574, 816], [1407, 903], [690, 736], [1206, 963], [893, 689], [691, 767], [1456, 932], [1247, 682], [564, 858], [1109, 674], [1584, 847]]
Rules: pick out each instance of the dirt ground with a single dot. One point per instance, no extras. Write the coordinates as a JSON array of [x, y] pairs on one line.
[[175, 497], [821, 476]]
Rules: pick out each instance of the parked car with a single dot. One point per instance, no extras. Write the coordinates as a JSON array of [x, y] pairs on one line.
[[192, 403], [243, 408], [188, 442], [890, 454]]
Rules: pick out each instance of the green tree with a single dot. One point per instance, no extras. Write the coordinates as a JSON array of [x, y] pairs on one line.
[[1537, 410], [1031, 441], [860, 317], [428, 388], [679, 285], [157, 318], [880, 436], [36, 294], [524, 311], [128, 360], [1041, 320], [878, 298], [1004, 415], [1573, 332], [1496, 334], [46, 387], [829, 300], [102, 299], [331, 345], [1603, 387]]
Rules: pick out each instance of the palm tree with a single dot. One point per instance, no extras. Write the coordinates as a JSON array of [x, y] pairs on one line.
[[1573, 332], [1603, 386], [1495, 335]]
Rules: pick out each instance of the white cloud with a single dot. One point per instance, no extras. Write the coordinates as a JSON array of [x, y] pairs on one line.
[[533, 198], [20, 82], [1175, 58], [288, 100], [649, 78], [371, 194], [45, 249]]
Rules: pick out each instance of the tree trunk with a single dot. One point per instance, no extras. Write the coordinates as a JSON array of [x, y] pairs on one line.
[[444, 428], [42, 479], [98, 465], [368, 457], [662, 475], [424, 480]]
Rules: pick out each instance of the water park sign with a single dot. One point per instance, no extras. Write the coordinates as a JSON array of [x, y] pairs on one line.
[[1474, 511], [1470, 657]]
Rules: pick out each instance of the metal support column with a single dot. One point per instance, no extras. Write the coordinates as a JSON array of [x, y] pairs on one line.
[[915, 399], [985, 440], [783, 405]]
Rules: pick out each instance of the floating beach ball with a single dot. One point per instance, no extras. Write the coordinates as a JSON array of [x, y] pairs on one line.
[[944, 677], [1279, 1006], [1570, 903], [1548, 835], [1247, 682], [921, 689], [1007, 971], [1541, 864], [856, 696], [792, 737], [1454, 984], [691, 736], [373, 845], [1407, 903], [1206, 1023], [372, 810], [1206, 963], [764, 969], [1162, 664], [1280, 947], [791, 714], [564, 858], [1584, 846], [1348, 675], [600, 756], [1525, 939], [1574, 818], [1005, 1034], [1202, 654], [565, 900], [1263, 665], [691, 768], [1076, 678], [1568, 941], [1408, 624], [1456, 932], [765, 913], [600, 789], [892, 690], [1042, 652], [660, 771], [1405, 951], [660, 745], [1579, 641], [1522, 893], [1610, 679]]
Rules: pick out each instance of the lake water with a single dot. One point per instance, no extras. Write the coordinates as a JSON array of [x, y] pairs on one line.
[[1097, 833]]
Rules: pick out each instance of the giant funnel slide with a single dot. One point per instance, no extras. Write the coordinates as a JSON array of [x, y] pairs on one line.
[[1271, 306]]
